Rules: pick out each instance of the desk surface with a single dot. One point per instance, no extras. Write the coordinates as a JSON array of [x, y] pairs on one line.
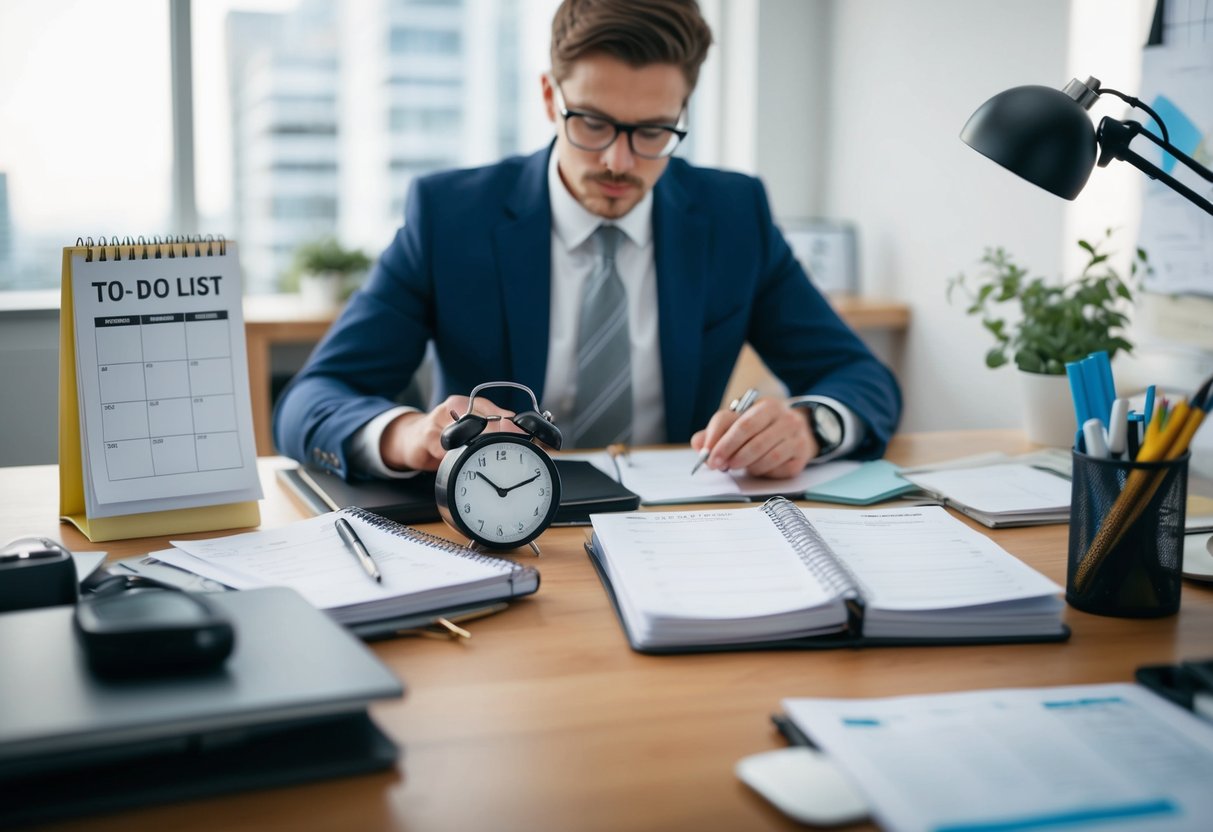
[[546, 719]]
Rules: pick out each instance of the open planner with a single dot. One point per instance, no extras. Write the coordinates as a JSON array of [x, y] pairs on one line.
[[782, 576], [423, 575]]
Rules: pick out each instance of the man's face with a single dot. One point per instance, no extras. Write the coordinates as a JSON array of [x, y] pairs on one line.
[[610, 182]]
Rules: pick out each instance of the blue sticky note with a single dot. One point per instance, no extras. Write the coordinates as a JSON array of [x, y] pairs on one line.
[[871, 482]]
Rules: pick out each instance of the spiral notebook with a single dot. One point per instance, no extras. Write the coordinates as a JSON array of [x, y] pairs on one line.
[[782, 576], [155, 417], [422, 574]]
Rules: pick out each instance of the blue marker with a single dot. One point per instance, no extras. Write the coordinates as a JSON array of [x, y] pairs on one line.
[[1149, 408], [1107, 385], [1082, 408]]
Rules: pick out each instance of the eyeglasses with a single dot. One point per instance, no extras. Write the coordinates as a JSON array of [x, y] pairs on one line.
[[590, 131]]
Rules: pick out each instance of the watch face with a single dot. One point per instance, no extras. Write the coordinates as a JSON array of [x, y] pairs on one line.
[[828, 427], [500, 490]]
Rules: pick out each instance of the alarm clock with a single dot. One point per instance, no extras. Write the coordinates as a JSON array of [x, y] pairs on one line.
[[500, 490]]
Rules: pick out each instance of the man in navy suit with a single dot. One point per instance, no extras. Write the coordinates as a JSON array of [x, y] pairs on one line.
[[682, 266]]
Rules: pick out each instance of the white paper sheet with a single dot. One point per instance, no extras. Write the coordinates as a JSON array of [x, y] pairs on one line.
[[998, 489], [663, 476], [1086, 757], [309, 557]]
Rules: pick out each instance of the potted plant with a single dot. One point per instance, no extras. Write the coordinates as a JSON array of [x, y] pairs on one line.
[[325, 273], [1058, 322]]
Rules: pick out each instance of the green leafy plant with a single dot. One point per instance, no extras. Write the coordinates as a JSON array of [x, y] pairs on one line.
[[326, 256], [1059, 321]]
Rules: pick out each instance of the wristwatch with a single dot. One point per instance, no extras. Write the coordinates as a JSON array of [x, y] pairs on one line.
[[826, 425]]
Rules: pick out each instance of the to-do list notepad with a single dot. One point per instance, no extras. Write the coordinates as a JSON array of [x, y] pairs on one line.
[[165, 417]]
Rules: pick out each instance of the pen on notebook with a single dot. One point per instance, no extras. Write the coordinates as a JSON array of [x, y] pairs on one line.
[[738, 406], [350, 537]]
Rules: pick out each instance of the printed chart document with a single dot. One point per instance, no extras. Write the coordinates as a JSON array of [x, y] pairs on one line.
[[663, 477], [779, 572], [162, 373], [421, 573], [1000, 495], [1089, 757]]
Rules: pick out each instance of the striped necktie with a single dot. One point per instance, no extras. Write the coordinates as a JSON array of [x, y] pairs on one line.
[[603, 411]]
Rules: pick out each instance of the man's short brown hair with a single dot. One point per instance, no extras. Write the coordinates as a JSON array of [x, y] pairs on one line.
[[637, 32]]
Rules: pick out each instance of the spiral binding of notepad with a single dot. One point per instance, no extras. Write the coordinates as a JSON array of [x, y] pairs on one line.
[[169, 246], [433, 541], [811, 548]]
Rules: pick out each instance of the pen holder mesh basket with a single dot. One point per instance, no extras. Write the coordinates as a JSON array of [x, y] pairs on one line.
[[1126, 536]]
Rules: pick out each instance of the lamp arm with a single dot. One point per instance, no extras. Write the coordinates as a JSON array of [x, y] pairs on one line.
[[1114, 137]]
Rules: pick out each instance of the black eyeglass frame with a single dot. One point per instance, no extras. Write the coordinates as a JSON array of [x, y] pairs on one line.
[[620, 127]]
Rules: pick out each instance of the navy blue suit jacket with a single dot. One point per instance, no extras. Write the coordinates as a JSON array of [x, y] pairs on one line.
[[470, 271]]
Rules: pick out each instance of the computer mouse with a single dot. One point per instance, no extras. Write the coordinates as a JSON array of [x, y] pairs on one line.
[[150, 632], [803, 784]]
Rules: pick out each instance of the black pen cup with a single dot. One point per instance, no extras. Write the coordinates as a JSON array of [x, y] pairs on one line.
[[1126, 536]]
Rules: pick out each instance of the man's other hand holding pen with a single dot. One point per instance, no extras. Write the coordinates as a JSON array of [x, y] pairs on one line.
[[767, 438]]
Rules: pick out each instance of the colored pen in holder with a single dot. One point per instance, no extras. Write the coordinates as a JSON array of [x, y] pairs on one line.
[[1126, 536]]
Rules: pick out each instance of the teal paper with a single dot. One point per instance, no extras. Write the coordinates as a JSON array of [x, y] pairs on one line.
[[873, 482]]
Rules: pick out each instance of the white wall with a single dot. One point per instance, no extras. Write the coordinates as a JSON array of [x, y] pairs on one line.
[[874, 94]]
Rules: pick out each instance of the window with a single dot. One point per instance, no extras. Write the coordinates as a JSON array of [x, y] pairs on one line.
[[318, 114], [310, 119], [86, 142]]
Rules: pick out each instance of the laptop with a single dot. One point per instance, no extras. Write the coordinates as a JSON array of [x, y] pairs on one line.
[[289, 705]]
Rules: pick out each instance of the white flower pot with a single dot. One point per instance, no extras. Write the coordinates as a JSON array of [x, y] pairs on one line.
[[1048, 409], [320, 292]]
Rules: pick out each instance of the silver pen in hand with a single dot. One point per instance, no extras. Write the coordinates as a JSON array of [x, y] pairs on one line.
[[350, 537], [738, 406]]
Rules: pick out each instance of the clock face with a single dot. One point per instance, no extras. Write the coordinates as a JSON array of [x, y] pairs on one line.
[[500, 490]]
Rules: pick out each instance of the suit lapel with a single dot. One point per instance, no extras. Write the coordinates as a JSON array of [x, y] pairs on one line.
[[681, 237], [524, 265]]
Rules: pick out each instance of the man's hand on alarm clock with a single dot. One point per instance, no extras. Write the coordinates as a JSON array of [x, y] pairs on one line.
[[413, 441]]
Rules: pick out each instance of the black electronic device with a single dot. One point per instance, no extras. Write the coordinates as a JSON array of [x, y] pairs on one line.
[[148, 632], [36, 572]]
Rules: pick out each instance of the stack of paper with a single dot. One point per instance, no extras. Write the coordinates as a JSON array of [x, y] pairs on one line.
[[1011, 494], [420, 573], [1090, 757]]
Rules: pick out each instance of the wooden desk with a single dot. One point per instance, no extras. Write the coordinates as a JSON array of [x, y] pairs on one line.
[[546, 720], [274, 320]]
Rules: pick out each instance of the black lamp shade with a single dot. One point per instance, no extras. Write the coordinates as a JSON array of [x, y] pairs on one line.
[[1039, 133]]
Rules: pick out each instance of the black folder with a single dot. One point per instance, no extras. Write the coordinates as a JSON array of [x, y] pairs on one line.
[[584, 490]]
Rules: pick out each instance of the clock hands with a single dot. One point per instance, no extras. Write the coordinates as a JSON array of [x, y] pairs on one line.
[[519, 485], [501, 492]]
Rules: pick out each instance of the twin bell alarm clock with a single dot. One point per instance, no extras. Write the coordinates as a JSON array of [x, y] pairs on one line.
[[500, 490]]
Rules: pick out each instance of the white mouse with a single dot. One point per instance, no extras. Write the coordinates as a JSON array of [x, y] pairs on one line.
[[804, 785]]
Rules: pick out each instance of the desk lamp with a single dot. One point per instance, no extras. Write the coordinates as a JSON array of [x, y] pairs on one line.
[[1046, 136]]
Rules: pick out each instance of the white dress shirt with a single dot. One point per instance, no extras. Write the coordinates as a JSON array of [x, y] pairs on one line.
[[574, 257]]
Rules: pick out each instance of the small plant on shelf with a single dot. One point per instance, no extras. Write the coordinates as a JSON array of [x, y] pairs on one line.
[[327, 262]]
